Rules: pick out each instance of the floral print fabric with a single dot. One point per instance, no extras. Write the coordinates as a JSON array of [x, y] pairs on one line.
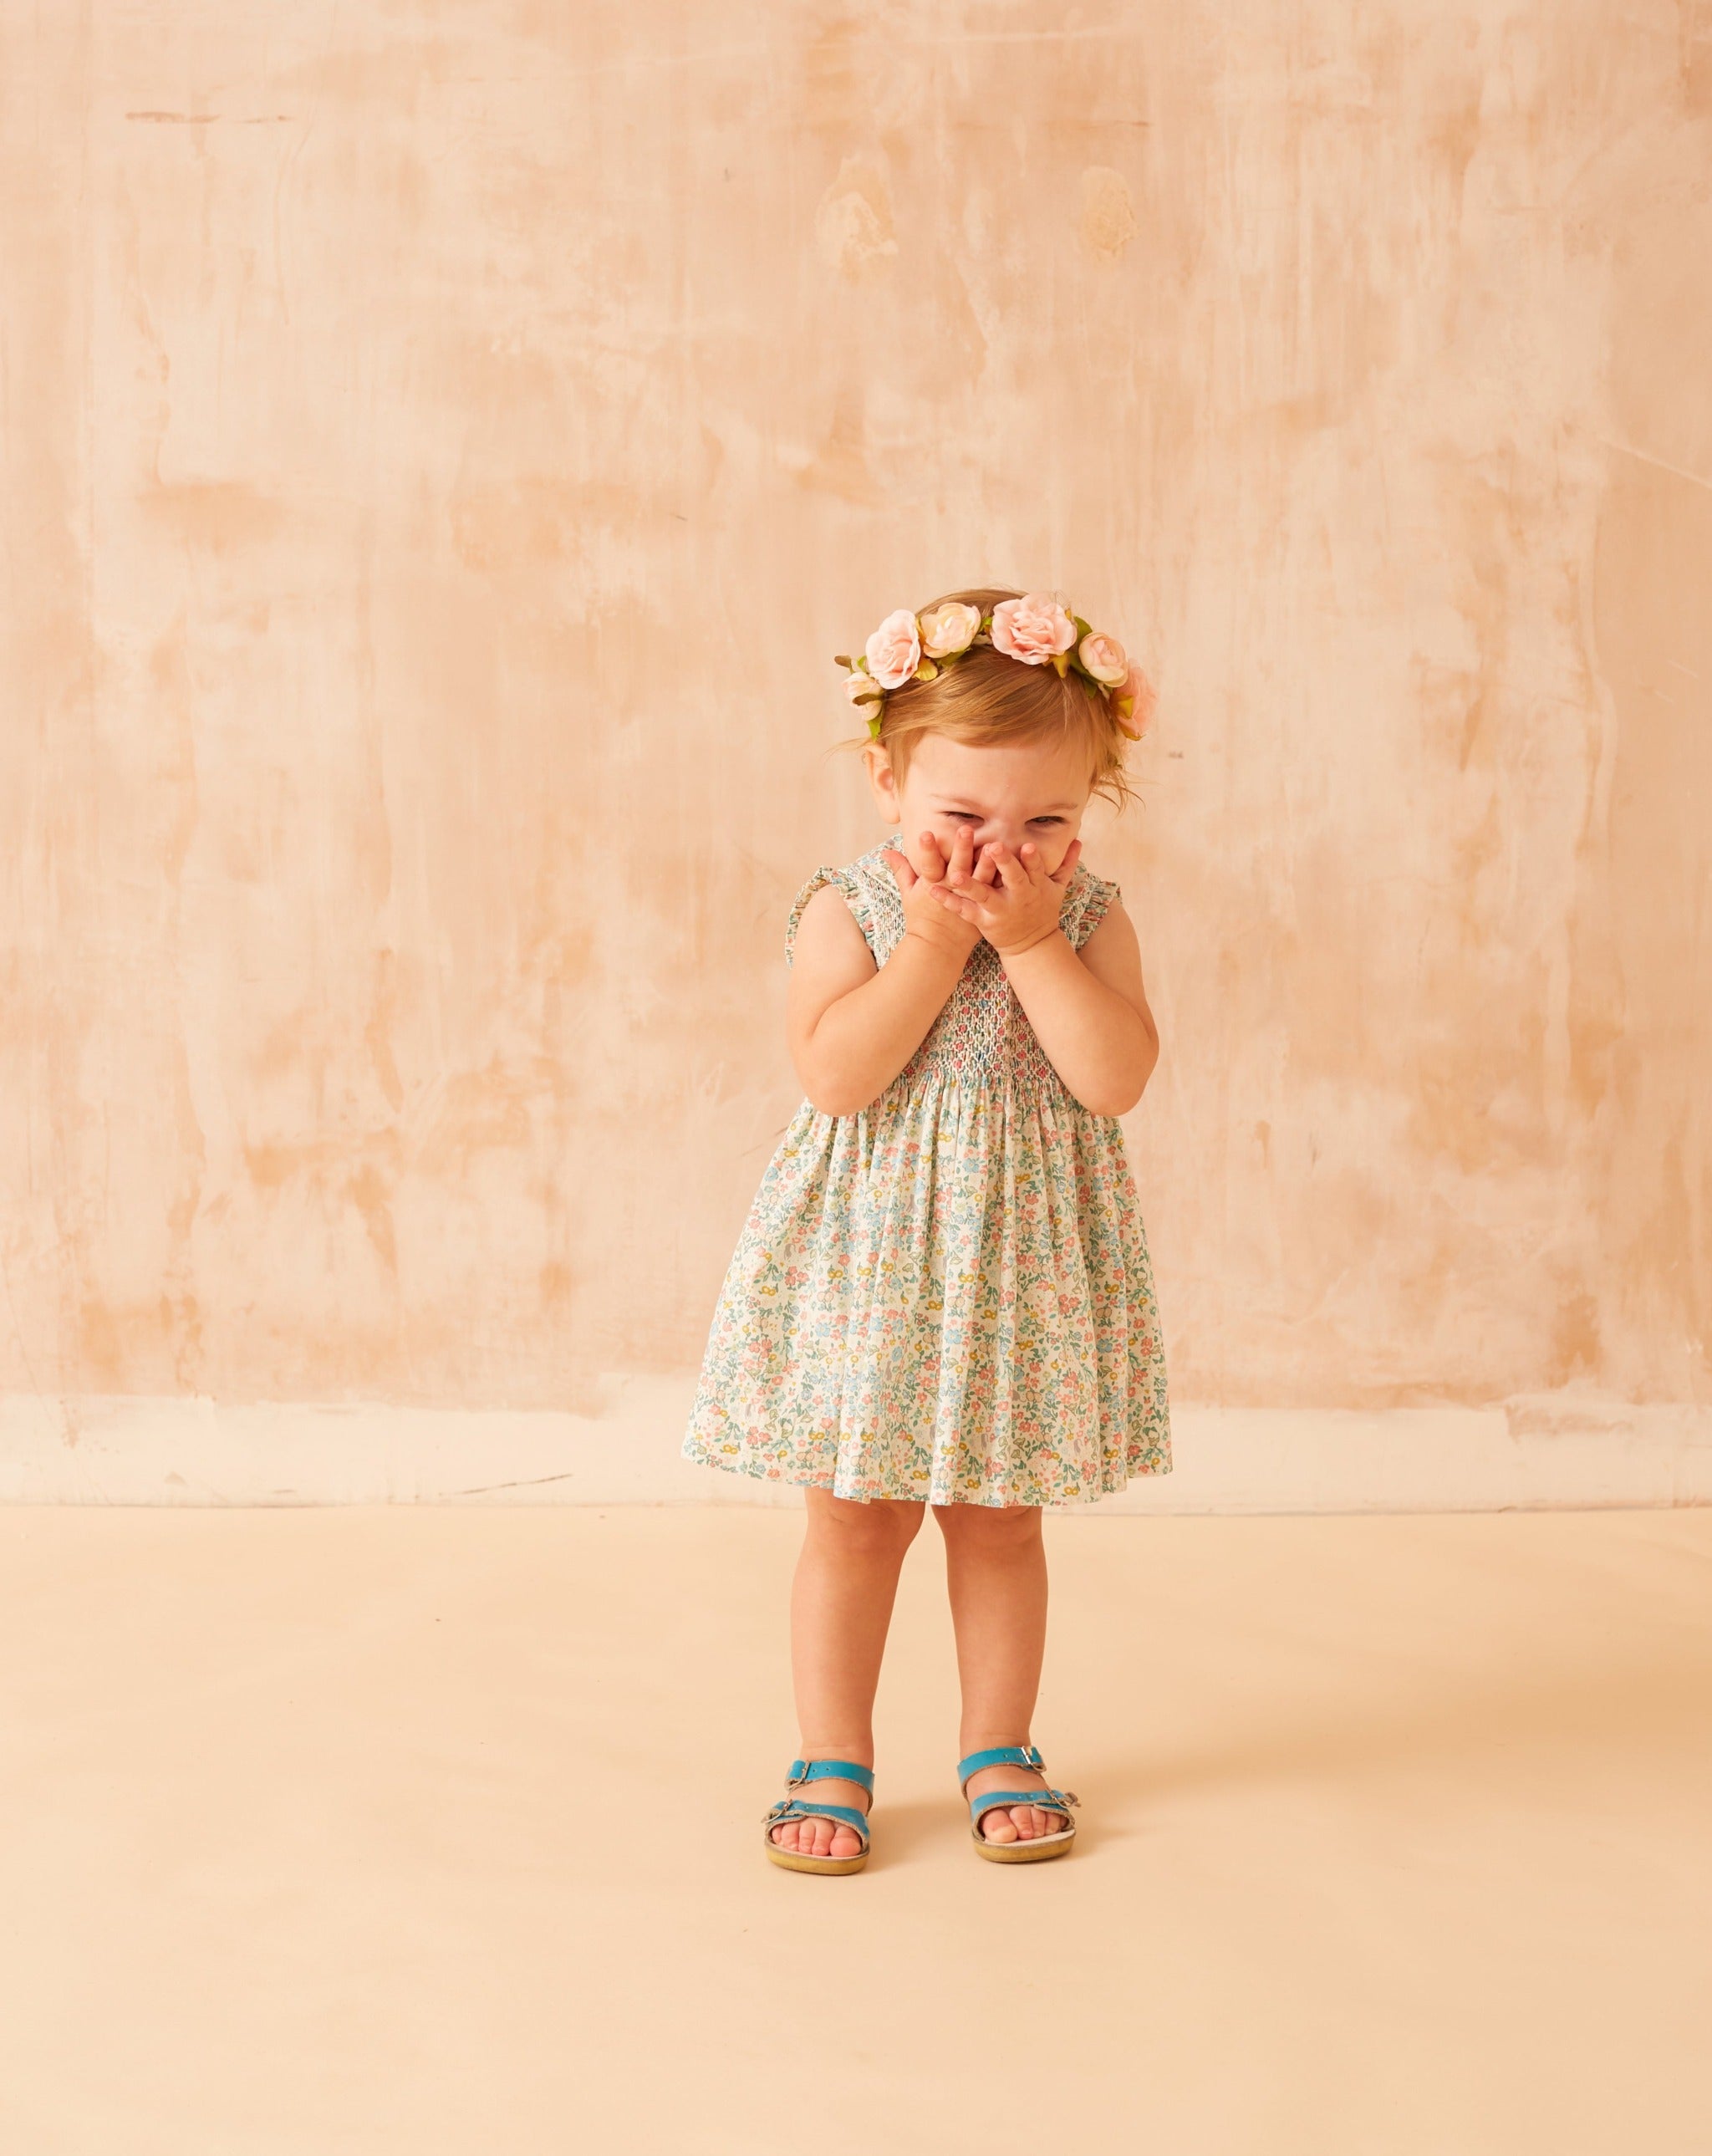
[[946, 1296]]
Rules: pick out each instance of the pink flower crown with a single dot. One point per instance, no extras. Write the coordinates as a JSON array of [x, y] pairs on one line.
[[1038, 629]]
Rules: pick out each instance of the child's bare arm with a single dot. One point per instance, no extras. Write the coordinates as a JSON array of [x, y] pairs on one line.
[[851, 1025], [1088, 1008]]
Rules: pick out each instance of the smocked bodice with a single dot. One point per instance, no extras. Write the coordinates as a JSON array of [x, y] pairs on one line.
[[983, 1037]]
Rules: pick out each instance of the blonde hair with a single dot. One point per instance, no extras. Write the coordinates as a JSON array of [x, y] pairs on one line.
[[986, 699]]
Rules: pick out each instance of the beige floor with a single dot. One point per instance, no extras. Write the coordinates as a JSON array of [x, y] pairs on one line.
[[341, 1833]]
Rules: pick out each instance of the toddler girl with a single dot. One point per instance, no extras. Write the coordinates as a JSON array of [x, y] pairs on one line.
[[941, 1294]]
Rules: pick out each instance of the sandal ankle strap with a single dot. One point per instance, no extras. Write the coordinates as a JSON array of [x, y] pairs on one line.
[[1000, 1755], [829, 1770]]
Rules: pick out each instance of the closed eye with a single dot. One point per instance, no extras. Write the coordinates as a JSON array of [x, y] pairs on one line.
[[972, 818]]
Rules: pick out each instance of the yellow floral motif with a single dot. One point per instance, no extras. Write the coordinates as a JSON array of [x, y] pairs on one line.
[[948, 1294]]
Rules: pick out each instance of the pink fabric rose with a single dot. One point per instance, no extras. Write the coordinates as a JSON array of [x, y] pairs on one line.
[[1034, 628], [862, 688], [894, 648], [1142, 697], [1104, 658]]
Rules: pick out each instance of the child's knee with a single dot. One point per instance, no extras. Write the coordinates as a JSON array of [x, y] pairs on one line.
[[989, 1526], [873, 1529]]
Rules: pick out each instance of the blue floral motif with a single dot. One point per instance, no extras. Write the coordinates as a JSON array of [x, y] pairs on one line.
[[946, 1296]]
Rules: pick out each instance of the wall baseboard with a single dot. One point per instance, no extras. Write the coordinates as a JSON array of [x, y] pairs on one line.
[[1571, 1450]]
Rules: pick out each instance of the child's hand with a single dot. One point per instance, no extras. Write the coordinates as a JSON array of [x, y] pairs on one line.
[[928, 912], [1017, 906]]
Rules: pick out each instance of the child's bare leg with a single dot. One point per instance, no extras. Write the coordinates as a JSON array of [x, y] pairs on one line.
[[995, 1572], [840, 1604]]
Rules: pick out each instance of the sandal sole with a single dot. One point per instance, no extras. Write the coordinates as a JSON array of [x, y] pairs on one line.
[[791, 1862], [1037, 1850]]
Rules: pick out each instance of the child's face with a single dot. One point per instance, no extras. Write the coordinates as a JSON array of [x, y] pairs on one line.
[[1006, 793]]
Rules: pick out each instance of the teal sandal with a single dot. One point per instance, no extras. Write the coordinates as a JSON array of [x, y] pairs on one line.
[[789, 1807], [1038, 1847]]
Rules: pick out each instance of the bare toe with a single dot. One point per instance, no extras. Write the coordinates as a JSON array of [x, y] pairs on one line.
[[816, 1836], [1028, 1819]]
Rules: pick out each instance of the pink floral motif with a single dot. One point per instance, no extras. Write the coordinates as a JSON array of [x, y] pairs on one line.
[[894, 648], [974, 1222], [1034, 628], [1133, 704]]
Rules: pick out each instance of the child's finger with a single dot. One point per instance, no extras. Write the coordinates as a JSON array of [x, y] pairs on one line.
[[1015, 876], [901, 867], [1029, 854], [1067, 867], [961, 870]]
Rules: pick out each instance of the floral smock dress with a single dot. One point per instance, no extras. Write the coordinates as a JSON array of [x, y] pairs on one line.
[[947, 1295]]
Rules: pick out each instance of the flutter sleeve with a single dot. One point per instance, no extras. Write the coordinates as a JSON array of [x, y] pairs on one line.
[[821, 875], [1084, 904]]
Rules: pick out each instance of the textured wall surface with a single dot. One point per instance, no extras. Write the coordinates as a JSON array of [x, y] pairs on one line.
[[442, 447]]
